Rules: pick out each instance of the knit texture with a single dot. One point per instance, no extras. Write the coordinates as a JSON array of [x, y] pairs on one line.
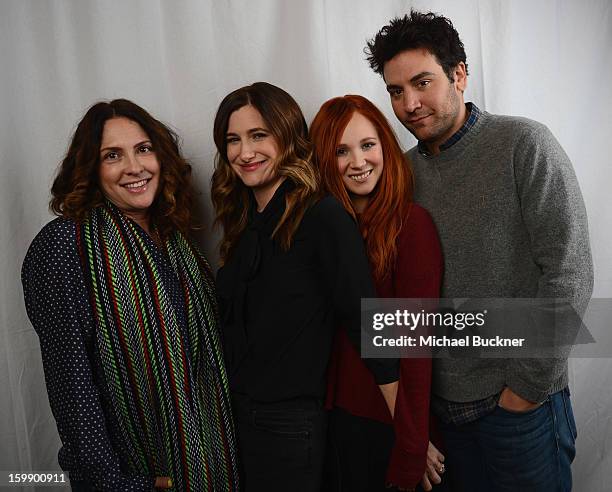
[[512, 223], [167, 381]]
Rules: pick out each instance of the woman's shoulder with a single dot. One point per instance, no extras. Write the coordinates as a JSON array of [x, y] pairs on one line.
[[59, 232], [418, 224], [328, 209], [57, 239], [419, 214]]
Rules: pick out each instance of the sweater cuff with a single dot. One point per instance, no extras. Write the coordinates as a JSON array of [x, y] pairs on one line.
[[405, 469]]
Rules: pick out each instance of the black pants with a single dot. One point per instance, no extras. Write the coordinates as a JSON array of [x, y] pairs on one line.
[[358, 455], [281, 445]]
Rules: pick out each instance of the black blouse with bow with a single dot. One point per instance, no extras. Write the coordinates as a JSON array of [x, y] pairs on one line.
[[280, 308]]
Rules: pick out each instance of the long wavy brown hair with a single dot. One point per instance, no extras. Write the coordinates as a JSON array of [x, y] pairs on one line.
[[231, 198], [389, 202], [76, 189]]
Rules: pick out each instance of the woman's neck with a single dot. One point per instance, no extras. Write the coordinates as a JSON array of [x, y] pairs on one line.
[[264, 194], [142, 219], [360, 202]]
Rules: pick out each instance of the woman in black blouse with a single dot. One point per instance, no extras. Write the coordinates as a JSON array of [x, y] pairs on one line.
[[125, 309], [293, 266]]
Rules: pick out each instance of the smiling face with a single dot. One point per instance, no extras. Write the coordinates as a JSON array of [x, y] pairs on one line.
[[129, 170], [252, 151], [360, 159], [423, 99]]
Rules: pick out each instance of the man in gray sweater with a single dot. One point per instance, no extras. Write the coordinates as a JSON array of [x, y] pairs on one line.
[[512, 224]]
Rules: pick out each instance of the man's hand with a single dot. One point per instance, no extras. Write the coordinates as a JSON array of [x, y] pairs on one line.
[[389, 392], [509, 400], [435, 468], [163, 483]]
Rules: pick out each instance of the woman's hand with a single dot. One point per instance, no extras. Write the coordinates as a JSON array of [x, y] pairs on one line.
[[434, 469], [163, 483]]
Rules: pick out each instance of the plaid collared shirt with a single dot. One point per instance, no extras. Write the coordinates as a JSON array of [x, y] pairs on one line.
[[458, 413], [474, 114]]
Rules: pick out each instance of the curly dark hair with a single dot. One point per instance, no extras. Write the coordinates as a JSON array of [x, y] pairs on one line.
[[76, 188], [430, 31]]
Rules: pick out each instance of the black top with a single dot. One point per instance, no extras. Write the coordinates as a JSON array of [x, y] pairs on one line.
[[280, 309]]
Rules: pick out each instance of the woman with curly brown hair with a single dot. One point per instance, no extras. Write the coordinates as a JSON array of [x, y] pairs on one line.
[[125, 308], [293, 264]]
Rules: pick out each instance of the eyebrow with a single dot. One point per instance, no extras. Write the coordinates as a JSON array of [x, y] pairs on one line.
[[250, 130], [119, 148], [418, 76], [421, 75], [363, 140]]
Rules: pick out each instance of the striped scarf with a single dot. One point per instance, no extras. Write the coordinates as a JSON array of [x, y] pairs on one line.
[[163, 367]]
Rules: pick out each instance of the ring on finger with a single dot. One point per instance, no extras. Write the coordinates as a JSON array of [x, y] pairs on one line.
[[442, 468]]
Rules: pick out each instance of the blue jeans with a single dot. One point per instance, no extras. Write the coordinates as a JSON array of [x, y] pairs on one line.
[[514, 451]]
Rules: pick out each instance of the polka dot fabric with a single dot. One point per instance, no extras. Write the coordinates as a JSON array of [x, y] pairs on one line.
[[57, 305]]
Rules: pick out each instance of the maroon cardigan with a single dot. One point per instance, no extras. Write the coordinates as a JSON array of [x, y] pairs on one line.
[[417, 274]]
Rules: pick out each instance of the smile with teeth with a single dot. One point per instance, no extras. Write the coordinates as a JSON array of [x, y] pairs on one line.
[[361, 177], [138, 186]]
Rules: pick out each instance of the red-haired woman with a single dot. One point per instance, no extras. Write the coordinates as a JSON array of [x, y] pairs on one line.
[[362, 165]]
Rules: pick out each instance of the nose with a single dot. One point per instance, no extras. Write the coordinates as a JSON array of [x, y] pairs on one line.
[[411, 101], [357, 160], [247, 152], [133, 164]]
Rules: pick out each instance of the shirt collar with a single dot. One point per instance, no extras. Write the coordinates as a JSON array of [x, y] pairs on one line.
[[474, 114]]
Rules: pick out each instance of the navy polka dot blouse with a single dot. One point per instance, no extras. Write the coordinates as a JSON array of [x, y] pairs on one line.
[[58, 307]]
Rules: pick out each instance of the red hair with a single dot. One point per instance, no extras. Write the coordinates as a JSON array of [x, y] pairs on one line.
[[389, 203]]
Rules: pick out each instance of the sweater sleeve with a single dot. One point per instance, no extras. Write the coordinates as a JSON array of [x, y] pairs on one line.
[[57, 306], [418, 275], [347, 272], [555, 217]]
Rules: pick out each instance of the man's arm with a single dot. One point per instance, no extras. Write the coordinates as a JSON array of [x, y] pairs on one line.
[[555, 217]]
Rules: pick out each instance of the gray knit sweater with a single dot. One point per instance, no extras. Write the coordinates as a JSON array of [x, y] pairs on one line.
[[512, 223]]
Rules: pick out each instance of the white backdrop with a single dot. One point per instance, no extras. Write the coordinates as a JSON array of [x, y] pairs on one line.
[[544, 59]]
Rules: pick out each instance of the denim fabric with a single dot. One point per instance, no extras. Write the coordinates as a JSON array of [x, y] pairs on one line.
[[514, 451], [281, 445]]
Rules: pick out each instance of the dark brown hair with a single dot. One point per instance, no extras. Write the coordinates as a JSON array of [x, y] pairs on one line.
[[76, 188], [285, 121], [430, 31]]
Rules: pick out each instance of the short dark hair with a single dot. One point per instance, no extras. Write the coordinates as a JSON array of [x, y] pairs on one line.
[[76, 188], [430, 31]]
